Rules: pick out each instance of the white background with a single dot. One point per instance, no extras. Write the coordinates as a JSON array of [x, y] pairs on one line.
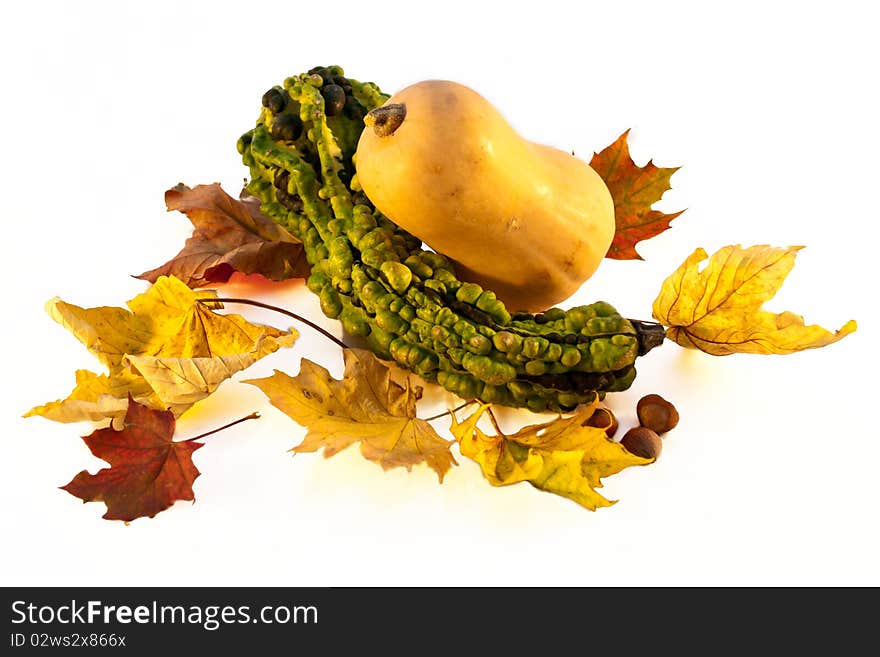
[[771, 108]]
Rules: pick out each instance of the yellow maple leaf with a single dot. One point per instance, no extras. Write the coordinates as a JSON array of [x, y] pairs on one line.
[[718, 310], [562, 456], [167, 352], [97, 397], [181, 382], [365, 406]]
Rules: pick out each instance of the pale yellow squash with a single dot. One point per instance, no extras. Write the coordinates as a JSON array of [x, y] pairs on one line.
[[529, 222]]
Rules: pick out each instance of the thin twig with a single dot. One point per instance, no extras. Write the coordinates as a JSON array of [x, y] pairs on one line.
[[450, 411], [267, 306], [495, 422], [252, 416]]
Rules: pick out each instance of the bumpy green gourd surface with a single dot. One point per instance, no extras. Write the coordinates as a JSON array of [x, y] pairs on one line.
[[405, 301]]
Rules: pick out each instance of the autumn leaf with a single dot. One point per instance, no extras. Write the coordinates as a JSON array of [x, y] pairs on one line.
[[148, 471], [562, 456], [634, 190], [718, 310], [181, 382], [97, 397], [167, 351], [229, 236], [365, 406]]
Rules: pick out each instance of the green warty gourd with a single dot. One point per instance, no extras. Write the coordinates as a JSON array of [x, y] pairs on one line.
[[406, 301]]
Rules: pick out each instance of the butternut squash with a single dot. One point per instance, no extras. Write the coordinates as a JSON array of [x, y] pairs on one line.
[[528, 221]]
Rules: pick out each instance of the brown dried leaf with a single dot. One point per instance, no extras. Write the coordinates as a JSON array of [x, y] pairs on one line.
[[230, 236]]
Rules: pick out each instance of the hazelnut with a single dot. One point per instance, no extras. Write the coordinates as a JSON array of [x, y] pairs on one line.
[[643, 442], [656, 413], [603, 418]]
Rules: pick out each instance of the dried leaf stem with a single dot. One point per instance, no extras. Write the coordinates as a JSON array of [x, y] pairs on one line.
[[267, 306], [253, 416], [495, 422], [320, 330], [450, 411]]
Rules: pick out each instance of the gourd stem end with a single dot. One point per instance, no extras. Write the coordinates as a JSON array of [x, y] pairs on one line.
[[650, 334], [384, 120]]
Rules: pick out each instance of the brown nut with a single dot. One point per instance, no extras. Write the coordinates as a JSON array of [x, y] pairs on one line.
[[656, 413], [603, 418], [643, 442]]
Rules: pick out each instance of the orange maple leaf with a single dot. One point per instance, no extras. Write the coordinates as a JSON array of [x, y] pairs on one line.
[[634, 189]]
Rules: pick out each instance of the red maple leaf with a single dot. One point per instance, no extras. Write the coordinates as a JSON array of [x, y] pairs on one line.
[[148, 471], [634, 189]]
